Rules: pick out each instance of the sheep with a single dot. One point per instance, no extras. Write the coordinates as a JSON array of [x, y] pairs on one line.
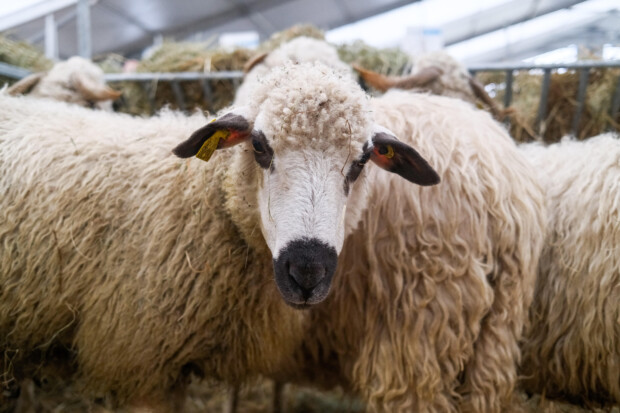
[[438, 73], [572, 346], [126, 270], [376, 402], [76, 80], [432, 289], [300, 49]]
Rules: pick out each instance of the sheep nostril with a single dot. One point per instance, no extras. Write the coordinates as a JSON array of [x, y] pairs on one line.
[[307, 276]]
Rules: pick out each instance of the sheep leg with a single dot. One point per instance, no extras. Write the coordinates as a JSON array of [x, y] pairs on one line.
[[278, 388], [232, 402]]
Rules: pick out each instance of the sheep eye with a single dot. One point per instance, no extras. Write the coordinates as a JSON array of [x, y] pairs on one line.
[[354, 171], [262, 151], [258, 147]]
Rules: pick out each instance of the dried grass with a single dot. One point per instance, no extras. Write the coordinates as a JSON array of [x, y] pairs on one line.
[[23, 55], [199, 57], [258, 398], [389, 61], [561, 104]]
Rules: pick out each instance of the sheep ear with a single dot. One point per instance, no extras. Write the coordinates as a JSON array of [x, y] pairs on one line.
[[395, 156], [25, 84], [258, 59], [382, 83], [228, 130]]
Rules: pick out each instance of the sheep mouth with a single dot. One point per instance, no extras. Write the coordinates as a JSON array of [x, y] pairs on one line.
[[298, 306]]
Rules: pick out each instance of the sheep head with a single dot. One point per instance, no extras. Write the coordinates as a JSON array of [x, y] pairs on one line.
[[310, 138], [76, 80]]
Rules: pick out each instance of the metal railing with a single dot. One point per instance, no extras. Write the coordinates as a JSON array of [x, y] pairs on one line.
[[175, 79], [582, 67], [13, 72]]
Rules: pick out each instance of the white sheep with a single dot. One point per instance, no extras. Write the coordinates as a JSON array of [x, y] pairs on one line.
[[438, 73], [76, 80], [572, 346], [301, 49], [432, 290], [126, 269]]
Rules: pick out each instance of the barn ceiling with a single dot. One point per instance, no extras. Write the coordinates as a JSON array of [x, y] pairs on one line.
[[127, 27]]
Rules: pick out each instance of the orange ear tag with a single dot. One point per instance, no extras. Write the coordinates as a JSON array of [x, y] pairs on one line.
[[210, 145]]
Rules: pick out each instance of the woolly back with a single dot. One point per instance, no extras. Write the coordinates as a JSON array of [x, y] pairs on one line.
[[574, 336], [126, 254]]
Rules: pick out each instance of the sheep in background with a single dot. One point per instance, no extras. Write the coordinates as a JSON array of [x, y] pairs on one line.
[[76, 80], [572, 346], [432, 290], [131, 270], [437, 73], [301, 49]]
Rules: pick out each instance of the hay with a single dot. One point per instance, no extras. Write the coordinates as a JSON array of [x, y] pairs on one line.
[[561, 103], [110, 63], [256, 398], [23, 55], [146, 98], [389, 61], [286, 35]]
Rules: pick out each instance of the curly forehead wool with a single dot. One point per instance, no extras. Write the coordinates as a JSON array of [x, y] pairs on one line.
[[311, 104]]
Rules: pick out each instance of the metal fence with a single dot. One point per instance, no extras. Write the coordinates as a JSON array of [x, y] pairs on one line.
[[583, 68], [175, 79]]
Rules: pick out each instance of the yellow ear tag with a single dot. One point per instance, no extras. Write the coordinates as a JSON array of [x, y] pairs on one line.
[[210, 145], [390, 152]]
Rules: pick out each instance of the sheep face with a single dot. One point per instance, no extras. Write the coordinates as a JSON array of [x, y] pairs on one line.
[[77, 81], [304, 193], [310, 138]]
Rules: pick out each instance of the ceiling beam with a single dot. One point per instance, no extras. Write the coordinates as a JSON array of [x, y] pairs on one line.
[[551, 40], [352, 18], [499, 17], [60, 23], [215, 20], [129, 19], [263, 26], [33, 12], [204, 24]]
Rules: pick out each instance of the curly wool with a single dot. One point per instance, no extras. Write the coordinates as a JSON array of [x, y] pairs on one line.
[[124, 259], [432, 290], [572, 348], [311, 104]]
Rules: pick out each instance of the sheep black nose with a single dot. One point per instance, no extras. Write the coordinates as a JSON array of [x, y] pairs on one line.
[[306, 275], [304, 269]]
